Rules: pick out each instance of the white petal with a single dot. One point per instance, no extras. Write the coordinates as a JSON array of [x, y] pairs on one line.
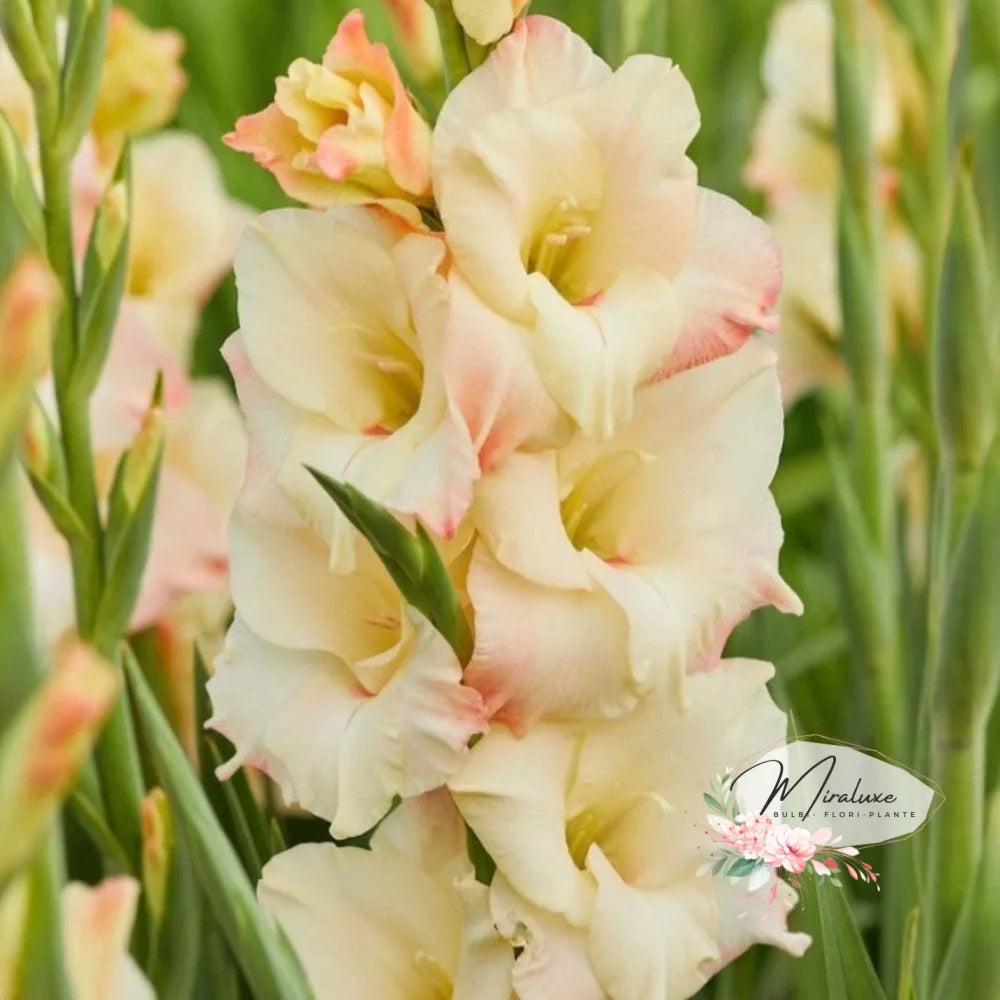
[[647, 943], [510, 791], [517, 514], [545, 652], [333, 747], [538, 63]]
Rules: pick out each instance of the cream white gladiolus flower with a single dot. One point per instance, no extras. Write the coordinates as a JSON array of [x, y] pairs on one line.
[[328, 681], [604, 261], [343, 317], [626, 563], [597, 834], [404, 921]]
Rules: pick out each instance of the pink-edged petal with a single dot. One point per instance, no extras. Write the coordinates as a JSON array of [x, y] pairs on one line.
[[591, 358], [729, 283], [493, 383], [651, 942], [545, 652], [759, 917], [407, 136], [553, 963], [333, 747]]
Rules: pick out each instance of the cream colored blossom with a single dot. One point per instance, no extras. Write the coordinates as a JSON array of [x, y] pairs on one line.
[[328, 681], [404, 921], [343, 131], [486, 20], [626, 563], [96, 927], [184, 231], [574, 215], [343, 317], [141, 80], [598, 839]]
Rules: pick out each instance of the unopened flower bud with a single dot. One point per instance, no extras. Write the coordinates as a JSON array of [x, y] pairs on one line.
[[416, 29], [157, 847], [344, 131], [141, 80], [26, 301], [45, 747]]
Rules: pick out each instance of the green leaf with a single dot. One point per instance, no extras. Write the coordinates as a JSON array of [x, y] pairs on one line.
[[105, 270], [850, 974], [262, 952], [86, 41], [412, 561], [745, 866], [719, 865], [714, 804], [16, 184], [130, 524]]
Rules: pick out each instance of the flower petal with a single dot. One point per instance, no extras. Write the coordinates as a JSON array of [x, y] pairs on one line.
[[729, 283]]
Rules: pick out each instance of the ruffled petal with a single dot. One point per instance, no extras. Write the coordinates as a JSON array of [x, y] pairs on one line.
[[545, 652], [332, 746], [729, 283], [511, 792]]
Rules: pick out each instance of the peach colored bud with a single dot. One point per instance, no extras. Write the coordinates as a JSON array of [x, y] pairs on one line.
[[141, 82], [46, 746], [344, 131], [416, 29], [26, 301], [143, 457], [157, 844]]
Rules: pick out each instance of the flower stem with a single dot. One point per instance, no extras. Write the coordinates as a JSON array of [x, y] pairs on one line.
[[456, 56]]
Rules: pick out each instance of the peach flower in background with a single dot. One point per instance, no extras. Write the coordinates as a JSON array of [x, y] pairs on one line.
[[328, 681], [795, 163], [141, 81], [343, 317], [96, 927], [625, 563], [404, 921], [416, 30], [597, 844], [487, 20], [343, 131]]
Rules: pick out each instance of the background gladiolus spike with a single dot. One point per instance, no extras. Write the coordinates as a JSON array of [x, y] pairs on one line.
[[44, 748]]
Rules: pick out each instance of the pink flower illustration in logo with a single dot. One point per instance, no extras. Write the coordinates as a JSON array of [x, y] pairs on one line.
[[791, 848]]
